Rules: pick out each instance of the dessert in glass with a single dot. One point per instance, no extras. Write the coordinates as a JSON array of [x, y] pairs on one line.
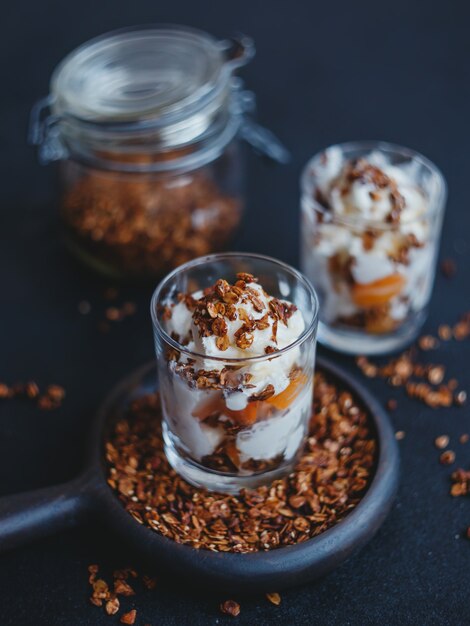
[[235, 338], [371, 221]]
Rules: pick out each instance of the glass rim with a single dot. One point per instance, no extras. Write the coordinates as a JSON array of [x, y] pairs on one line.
[[434, 206], [306, 333]]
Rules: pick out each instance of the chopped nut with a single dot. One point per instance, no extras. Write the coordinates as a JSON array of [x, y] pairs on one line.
[[112, 606], [150, 583], [222, 343], [100, 589], [460, 398], [55, 392], [128, 309], [32, 390], [274, 598], [244, 340], [129, 618], [441, 442], [448, 267], [267, 393], [122, 588], [464, 438], [45, 403], [447, 457], [445, 332], [427, 342], [436, 374], [399, 435], [230, 607], [113, 314], [460, 483]]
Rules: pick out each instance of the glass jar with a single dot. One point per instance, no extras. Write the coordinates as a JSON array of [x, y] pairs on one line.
[[371, 223], [146, 126], [232, 421]]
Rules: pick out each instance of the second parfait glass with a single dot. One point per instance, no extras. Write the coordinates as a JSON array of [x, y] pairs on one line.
[[234, 423], [374, 277]]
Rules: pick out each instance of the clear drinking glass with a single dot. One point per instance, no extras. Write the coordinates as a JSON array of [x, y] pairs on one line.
[[374, 277], [217, 433]]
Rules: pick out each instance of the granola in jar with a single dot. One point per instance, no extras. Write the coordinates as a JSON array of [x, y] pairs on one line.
[[146, 124], [371, 218], [236, 379]]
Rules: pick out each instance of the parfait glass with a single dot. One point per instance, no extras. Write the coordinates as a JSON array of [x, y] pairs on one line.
[[374, 278], [216, 435]]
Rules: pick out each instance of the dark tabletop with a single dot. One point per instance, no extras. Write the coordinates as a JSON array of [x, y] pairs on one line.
[[324, 72]]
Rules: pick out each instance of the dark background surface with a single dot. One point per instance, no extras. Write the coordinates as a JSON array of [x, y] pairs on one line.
[[324, 72]]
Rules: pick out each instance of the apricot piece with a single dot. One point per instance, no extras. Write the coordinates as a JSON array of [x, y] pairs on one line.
[[379, 291], [284, 399], [245, 417]]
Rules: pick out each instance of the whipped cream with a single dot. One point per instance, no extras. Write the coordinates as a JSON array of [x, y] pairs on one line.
[[268, 336], [370, 188]]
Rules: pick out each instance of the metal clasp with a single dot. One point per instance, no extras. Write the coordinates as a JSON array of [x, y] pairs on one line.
[[262, 140], [238, 50], [44, 132]]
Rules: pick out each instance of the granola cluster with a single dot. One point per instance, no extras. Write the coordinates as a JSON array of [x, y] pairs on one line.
[[141, 226], [46, 400], [111, 596], [422, 380], [328, 482], [222, 303]]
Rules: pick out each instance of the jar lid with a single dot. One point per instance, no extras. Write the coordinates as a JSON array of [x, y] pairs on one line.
[[147, 87], [139, 74]]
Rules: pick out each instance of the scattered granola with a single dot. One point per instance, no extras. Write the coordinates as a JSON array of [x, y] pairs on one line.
[[129, 618], [102, 595], [428, 342], [51, 398], [448, 268], [399, 435], [464, 438], [230, 607], [112, 606], [274, 598], [117, 314], [441, 442], [423, 381], [447, 457], [460, 483], [328, 482]]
